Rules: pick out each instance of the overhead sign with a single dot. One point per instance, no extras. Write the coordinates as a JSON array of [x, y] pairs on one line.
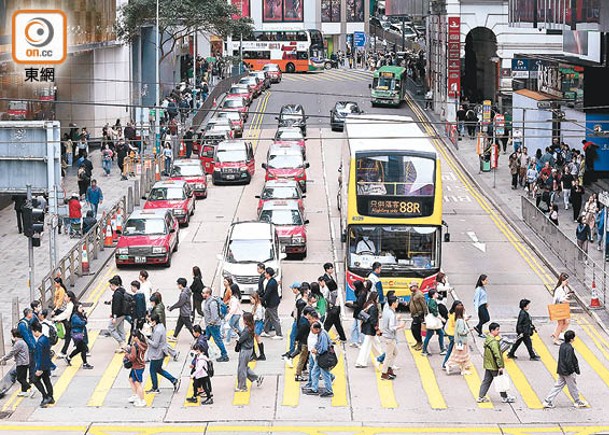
[[359, 39], [486, 112], [454, 57], [499, 125], [603, 198]]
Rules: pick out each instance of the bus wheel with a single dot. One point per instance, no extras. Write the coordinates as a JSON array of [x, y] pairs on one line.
[[290, 68], [328, 65]]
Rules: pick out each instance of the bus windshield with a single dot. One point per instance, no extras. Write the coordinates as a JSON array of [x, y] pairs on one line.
[[386, 84], [395, 175], [396, 247]]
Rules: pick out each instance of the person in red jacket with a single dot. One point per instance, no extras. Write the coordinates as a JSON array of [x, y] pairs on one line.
[[75, 214]]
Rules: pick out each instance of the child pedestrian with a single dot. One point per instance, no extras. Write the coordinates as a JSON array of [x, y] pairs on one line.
[[202, 372]]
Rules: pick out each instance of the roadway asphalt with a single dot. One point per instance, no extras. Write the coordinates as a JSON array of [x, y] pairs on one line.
[[422, 398]]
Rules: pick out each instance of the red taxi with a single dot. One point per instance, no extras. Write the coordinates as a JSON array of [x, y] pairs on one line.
[[261, 75], [209, 141], [273, 72], [243, 91], [253, 83], [235, 120], [236, 104], [175, 195], [286, 162], [290, 224], [291, 135], [219, 124], [281, 189], [149, 237], [233, 162], [191, 171]]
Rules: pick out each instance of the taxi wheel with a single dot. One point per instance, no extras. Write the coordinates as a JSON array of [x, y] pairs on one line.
[[194, 206], [187, 222], [175, 248], [168, 264], [303, 255]]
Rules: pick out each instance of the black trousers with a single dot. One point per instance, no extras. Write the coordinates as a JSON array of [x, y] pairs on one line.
[[483, 317], [333, 319], [68, 338], [515, 180], [204, 383], [44, 385], [415, 329], [80, 347], [526, 339], [183, 321], [32, 367], [22, 377], [196, 306]]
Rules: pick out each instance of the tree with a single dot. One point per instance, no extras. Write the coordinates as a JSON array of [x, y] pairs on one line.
[[178, 19]]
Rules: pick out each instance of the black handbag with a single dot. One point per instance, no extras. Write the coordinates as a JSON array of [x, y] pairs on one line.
[[237, 347], [363, 316], [328, 359]]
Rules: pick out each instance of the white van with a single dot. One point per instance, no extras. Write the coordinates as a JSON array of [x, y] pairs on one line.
[[247, 244]]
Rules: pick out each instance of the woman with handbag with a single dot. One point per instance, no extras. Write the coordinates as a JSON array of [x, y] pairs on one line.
[[65, 317], [136, 358], [245, 347], [433, 323], [78, 332], [459, 356], [561, 296], [356, 338], [370, 329]]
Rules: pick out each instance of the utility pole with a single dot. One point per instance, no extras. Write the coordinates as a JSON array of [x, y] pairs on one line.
[[157, 123], [30, 248], [403, 33], [53, 225]]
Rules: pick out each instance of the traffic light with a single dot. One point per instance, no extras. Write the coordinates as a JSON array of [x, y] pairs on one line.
[[33, 223]]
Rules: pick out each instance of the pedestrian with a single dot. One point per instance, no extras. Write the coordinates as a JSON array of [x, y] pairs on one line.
[[299, 303], [567, 370], [213, 320], [577, 194], [375, 278], [75, 215], [234, 313], [168, 157], [369, 330], [121, 154], [65, 318], [531, 176], [24, 326], [59, 301], [600, 227], [137, 317], [432, 308], [258, 313], [107, 156], [20, 352], [459, 357], [196, 287], [137, 357], [525, 329], [429, 100], [390, 325], [525, 160], [309, 315], [321, 304], [271, 303], [94, 196], [514, 166], [449, 330], [561, 296], [20, 201], [201, 379], [582, 234], [261, 268], [418, 310], [188, 141], [78, 333], [157, 343], [184, 304], [481, 304], [145, 286], [356, 339], [158, 307], [493, 365], [116, 327], [42, 365], [319, 343], [246, 347], [83, 181]]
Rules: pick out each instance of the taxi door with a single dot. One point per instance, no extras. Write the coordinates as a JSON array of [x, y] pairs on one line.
[[207, 157], [251, 162]]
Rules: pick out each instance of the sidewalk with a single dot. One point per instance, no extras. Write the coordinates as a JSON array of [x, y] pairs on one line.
[[497, 187]]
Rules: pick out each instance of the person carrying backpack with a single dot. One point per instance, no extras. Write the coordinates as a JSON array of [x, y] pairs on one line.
[[116, 327], [203, 370], [212, 313]]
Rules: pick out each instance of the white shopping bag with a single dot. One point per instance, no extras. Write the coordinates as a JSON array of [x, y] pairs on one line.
[[502, 383]]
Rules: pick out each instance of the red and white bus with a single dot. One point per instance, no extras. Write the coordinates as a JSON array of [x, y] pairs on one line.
[[292, 50]]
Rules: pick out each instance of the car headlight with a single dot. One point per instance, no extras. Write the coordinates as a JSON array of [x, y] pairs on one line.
[[199, 185], [159, 250], [216, 169], [271, 175], [178, 211], [122, 251], [243, 168], [298, 240]]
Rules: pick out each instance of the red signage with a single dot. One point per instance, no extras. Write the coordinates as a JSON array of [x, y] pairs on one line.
[[454, 57]]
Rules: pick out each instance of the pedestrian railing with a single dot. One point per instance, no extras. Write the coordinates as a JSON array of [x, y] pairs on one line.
[[220, 88], [576, 261]]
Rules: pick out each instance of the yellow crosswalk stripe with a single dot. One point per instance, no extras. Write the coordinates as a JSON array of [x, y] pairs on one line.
[[107, 380], [427, 376], [291, 388], [598, 339], [522, 385], [473, 382], [242, 398], [548, 360], [385, 388], [60, 387], [339, 386], [592, 360], [149, 398]]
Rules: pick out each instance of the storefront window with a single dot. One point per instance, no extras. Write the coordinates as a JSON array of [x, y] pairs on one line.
[[355, 11], [282, 10], [330, 11]]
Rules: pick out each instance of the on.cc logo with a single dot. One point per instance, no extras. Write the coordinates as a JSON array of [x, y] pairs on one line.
[[39, 36]]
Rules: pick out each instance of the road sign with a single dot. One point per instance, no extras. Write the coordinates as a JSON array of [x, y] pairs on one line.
[[603, 198], [359, 39]]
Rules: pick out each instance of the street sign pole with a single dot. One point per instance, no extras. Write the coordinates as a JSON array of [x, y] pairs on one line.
[[603, 198], [30, 249]]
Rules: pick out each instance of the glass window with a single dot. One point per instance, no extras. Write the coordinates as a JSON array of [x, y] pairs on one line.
[[330, 12], [355, 11], [279, 193], [396, 247], [166, 193], [187, 171], [395, 175], [232, 104], [281, 217], [225, 156], [148, 227], [289, 135], [250, 251], [286, 161]]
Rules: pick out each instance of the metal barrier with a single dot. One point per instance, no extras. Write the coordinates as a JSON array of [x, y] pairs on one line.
[[220, 88], [576, 261]]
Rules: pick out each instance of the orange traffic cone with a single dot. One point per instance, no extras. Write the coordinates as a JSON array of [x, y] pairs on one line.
[[119, 221], [108, 240], [594, 301], [214, 103], [182, 152], [157, 171], [85, 259]]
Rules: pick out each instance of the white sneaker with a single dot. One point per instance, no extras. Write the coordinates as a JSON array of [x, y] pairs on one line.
[[23, 394], [289, 362], [581, 404], [508, 399], [133, 399], [277, 337], [139, 403], [548, 405], [264, 334]]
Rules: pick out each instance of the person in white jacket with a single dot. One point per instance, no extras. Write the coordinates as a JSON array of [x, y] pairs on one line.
[[203, 368]]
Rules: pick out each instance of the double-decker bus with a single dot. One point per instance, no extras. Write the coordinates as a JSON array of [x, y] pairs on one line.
[[388, 86], [292, 50], [391, 203]]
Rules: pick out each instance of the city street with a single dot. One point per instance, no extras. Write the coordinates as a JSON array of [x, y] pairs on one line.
[[423, 398]]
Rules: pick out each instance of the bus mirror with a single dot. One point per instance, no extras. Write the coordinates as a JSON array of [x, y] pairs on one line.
[[307, 164], [369, 85], [343, 237], [263, 166], [447, 237]]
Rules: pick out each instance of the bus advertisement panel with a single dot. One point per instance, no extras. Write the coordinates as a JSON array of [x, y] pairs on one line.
[[391, 210]]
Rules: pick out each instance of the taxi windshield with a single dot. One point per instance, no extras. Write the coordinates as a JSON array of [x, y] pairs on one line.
[[226, 156], [145, 227], [233, 116], [166, 193], [285, 161], [238, 90], [233, 104], [250, 251], [270, 68], [289, 135], [187, 171], [279, 193], [281, 217]]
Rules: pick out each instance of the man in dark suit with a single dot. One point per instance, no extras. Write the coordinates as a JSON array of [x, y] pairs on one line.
[[43, 366], [271, 302]]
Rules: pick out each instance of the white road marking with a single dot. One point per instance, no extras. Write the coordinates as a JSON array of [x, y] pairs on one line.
[[477, 244]]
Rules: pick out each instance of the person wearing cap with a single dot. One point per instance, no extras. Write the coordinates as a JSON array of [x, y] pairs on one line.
[[116, 327], [271, 303], [299, 305], [525, 329], [418, 310]]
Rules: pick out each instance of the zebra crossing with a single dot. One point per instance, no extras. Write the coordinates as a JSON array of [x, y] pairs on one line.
[[354, 75]]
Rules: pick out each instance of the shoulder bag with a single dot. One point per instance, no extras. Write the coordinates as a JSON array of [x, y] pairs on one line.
[[328, 359], [432, 322]]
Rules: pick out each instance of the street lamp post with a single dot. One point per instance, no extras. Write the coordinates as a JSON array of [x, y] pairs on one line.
[[157, 131]]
